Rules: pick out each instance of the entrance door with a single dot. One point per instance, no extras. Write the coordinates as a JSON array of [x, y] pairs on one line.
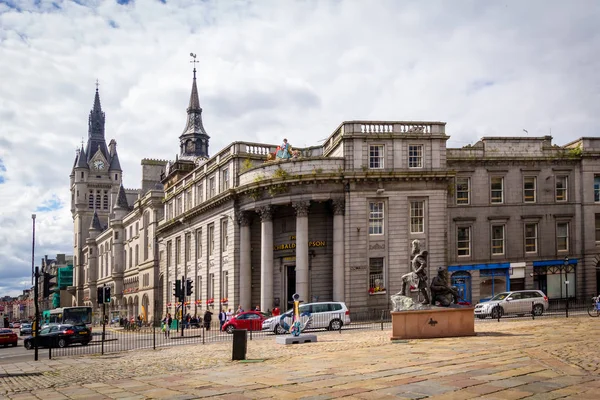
[[290, 287], [462, 281]]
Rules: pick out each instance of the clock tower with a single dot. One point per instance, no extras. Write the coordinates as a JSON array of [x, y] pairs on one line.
[[95, 180]]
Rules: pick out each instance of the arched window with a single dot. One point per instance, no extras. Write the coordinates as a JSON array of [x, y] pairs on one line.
[[98, 200], [91, 200]]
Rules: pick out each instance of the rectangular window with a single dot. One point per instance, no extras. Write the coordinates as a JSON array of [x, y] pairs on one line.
[[188, 247], [169, 254], [376, 157], [177, 251], [211, 286], [198, 288], [497, 239], [463, 188], [211, 240], [376, 275], [188, 199], [417, 216], [198, 243], [597, 227], [225, 180], [199, 193], [376, 218], [531, 238], [211, 187], [561, 188], [91, 200], [597, 188], [562, 236], [529, 186], [415, 156], [497, 189], [224, 237], [225, 283], [463, 241]]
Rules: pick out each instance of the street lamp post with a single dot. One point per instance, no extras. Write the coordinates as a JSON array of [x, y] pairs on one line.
[[566, 265]]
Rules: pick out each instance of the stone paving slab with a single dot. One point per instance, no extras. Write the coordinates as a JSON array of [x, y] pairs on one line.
[[541, 359]]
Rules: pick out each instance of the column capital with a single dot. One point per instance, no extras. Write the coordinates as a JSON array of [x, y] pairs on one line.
[[266, 213], [301, 208], [243, 218], [338, 206]]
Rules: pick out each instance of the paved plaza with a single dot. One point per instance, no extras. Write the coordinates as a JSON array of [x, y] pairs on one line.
[[548, 358]]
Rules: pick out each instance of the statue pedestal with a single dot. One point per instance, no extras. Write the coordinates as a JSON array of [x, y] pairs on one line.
[[437, 322], [303, 338]]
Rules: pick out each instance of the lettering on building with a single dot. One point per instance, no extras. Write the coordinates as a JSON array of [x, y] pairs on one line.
[[290, 246]]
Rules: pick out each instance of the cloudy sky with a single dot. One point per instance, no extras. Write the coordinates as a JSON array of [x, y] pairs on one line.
[[268, 70]]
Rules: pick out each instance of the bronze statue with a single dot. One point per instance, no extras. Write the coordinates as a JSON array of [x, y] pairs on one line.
[[418, 277], [441, 291]]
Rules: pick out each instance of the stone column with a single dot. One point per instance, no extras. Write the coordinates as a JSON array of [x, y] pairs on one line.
[[301, 208], [245, 262], [266, 257], [338, 250]]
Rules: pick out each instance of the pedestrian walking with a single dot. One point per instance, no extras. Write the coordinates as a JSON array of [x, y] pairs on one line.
[[239, 309], [207, 319], [167, 325], [222, 318], [229, 315]]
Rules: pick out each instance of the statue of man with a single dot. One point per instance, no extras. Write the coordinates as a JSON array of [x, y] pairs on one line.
[[418, 276], [441, 291]]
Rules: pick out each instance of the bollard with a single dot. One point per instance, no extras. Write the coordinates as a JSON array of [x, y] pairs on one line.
[[154, 336], [533, 310], [202, 333], [567, 306], [382, 311], [49, 352], [240, 344]]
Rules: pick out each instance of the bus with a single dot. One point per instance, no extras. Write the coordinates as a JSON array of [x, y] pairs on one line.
[[68, 315]]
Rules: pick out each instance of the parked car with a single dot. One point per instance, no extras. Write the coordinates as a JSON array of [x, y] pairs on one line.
[[329, 315], [7, 337], [514, 302], [16, 325], [25, 329], [61, 335], [250, 320]]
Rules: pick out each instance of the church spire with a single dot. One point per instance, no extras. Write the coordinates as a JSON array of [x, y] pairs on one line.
[[194, 139], [96, 129]]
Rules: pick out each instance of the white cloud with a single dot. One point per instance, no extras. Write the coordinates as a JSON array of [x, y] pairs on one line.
[[270, 69]]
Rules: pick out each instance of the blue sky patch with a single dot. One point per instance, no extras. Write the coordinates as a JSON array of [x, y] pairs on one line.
[[50, 204], [113, 24], [2, 169]]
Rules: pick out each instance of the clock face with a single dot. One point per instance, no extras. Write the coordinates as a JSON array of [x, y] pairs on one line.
[[98, 164]]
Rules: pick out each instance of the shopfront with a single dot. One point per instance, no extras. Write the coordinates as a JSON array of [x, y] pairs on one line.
[[556, 278], [480, 282]]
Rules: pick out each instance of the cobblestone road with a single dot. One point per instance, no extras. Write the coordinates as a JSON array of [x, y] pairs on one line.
[[541, 359]]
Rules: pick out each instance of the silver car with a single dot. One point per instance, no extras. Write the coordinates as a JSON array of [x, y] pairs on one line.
[[517, 302], [330, 315]]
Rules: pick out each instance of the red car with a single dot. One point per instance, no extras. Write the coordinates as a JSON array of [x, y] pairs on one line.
[[250, 320], [7, 337]]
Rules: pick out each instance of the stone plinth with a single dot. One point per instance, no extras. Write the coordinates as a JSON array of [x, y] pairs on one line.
[[437, 322], [289, 339]]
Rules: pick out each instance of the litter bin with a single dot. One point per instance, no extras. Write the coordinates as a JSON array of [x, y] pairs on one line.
[[240, 344]]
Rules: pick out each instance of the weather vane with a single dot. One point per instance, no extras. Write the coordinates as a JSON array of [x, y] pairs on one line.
[[194, 62], [97, 84]]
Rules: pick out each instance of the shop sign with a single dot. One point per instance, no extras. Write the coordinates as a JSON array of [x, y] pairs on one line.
[[288, 246]]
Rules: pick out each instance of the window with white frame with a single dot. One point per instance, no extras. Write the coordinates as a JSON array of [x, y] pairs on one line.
[[376, 218], [188, 199], [376, 275], [497, 239], [376, 156], [225, 179], [497, 189], [529, 189], [562, 236], [188, 247], [463, 190], [417, 216], [415, 156], [463, 241], [224, 236], [177, 251], [211, 286], [198, 243], [212, 188], [597, 188], [199, 193], [198, 287], [211, 240], [531, 238], [225, 283], [561, 188]]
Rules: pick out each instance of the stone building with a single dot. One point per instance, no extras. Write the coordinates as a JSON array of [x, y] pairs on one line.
[[114, 228]]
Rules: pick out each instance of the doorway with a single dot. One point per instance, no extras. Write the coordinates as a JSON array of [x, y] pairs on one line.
[[290, 285], [462, 281]]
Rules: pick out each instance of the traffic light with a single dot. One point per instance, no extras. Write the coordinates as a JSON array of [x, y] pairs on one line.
[[48, 286], [106, 294], [177, 289], [188, 287], [100, 295]]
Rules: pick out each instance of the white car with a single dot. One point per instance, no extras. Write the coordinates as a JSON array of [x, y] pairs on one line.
[[331, 315], [517, 302]]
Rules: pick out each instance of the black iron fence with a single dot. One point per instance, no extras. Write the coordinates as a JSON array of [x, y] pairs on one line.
[[113, 338]]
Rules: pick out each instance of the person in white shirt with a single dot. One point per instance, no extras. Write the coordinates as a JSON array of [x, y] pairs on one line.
[[229, 315]]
